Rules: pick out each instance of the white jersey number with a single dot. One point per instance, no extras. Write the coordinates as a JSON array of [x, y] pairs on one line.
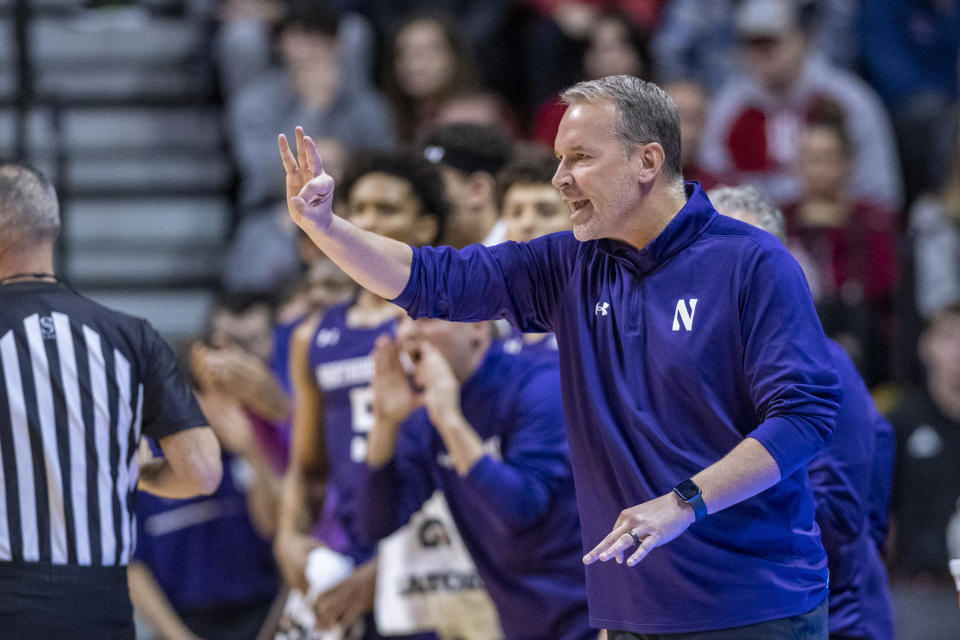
[[361, 410]]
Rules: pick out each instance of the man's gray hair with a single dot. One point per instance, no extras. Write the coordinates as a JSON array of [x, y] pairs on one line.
[[645, 113], [29, 210], [737, 201]]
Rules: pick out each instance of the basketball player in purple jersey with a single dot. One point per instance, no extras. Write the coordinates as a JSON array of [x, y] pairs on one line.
[[399, 196]]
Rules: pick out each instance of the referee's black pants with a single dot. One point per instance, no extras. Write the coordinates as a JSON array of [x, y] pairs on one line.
[[45, 602]]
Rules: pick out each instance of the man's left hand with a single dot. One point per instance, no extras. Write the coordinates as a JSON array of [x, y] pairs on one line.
[[441, 389], [654, 523], [394, 399]]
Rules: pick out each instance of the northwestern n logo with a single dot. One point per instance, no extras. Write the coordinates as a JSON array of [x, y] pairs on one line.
[[684, 314]]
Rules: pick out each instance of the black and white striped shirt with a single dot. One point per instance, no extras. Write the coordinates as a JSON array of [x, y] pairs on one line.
[[78, 385]]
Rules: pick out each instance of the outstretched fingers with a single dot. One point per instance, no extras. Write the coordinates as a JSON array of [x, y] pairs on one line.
[[286, 155], [301, 147], [619, 541], [314, 163], [646, 546], [613, 546]]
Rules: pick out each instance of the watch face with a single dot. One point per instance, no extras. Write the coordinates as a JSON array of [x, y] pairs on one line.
[[687, 490]]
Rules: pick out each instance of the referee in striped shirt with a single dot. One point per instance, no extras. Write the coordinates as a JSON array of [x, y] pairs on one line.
[[79, 384]]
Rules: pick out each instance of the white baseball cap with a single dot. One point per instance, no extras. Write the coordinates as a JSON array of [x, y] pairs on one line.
[[765, 18]]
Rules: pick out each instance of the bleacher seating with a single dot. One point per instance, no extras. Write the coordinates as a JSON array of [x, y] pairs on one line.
[[123, 117]]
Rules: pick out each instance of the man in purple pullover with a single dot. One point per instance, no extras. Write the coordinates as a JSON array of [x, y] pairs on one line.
[[696, 378]]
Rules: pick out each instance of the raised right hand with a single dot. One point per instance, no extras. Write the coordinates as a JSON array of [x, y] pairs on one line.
[[309, 187]]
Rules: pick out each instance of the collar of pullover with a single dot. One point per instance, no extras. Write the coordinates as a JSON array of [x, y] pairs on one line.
[[685, 227]]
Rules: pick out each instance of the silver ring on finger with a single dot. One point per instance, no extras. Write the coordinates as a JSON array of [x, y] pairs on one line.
[[636, 538]]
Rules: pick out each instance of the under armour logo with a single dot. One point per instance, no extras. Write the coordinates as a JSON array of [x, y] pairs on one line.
[[683, 314], [601, 309], [328, 337]]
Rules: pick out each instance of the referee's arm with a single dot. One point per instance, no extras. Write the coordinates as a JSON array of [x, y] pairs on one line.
[[190, 465]]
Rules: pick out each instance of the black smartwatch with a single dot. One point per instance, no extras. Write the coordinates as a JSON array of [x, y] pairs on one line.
[[689, 492]]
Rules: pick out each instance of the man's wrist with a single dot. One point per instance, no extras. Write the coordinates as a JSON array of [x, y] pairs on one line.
[[688, 513], [452, 420], [689, 494], [386, 423], [326, 224], [289, 526]]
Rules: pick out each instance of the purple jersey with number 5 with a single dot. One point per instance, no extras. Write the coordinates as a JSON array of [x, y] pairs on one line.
[[342, 367]]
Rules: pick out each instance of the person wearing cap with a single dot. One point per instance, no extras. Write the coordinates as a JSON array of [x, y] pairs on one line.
[[695, 377], [753, 125], [469, 156]]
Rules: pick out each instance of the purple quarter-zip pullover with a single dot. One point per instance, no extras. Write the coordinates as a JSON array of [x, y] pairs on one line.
[[669, 357]]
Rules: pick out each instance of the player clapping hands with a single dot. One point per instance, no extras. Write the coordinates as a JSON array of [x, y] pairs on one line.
[[434, 386]]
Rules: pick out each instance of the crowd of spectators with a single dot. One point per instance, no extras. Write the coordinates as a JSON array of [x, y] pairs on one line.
[[804, 102], [846, 114]]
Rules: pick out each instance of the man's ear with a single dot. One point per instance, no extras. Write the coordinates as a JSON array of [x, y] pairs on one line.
[[425, 229], [648, 161]]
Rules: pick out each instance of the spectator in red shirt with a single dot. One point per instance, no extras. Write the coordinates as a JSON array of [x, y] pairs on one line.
[[852, 243], [753, 125]]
